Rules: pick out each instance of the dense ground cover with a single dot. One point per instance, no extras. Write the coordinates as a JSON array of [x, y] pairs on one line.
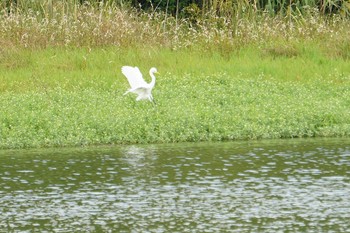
[[74, 97], [61, 85]]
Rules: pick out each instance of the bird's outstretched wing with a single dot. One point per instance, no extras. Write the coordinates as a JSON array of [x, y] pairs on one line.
[[134, 77]]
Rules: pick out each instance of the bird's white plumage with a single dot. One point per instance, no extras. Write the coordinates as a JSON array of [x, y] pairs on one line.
[[134, 76], [138, 84]]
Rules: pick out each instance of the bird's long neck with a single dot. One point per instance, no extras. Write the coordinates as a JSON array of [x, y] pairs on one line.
[[153, 82]]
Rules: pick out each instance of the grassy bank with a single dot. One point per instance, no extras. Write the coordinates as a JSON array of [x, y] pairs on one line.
[[248, 77], [58, 97]]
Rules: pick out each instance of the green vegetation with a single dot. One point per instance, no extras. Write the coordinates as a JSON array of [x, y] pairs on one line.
[[248, 77]]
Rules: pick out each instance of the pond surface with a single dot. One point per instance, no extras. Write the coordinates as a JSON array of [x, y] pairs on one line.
[[263, 186]]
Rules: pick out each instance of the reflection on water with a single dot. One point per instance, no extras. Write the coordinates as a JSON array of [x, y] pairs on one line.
[[274, 186]]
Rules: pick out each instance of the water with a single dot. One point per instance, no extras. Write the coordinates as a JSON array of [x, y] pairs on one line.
[[270, 186]]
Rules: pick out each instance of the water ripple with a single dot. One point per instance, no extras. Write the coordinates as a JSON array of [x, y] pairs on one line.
[[223, 187]]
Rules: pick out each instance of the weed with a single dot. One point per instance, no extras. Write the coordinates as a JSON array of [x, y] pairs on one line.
[[250, 76]]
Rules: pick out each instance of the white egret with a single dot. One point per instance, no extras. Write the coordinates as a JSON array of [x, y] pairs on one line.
[[138, 84]]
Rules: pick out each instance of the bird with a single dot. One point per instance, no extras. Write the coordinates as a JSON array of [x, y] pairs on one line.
[[138, 84]]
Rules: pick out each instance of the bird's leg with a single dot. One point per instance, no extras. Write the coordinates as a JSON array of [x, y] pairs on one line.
[[152, 100]]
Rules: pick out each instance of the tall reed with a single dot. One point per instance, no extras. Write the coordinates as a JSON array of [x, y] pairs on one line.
[[47, 23]]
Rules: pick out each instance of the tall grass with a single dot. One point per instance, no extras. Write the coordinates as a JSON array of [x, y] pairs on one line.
[[58, 23]]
